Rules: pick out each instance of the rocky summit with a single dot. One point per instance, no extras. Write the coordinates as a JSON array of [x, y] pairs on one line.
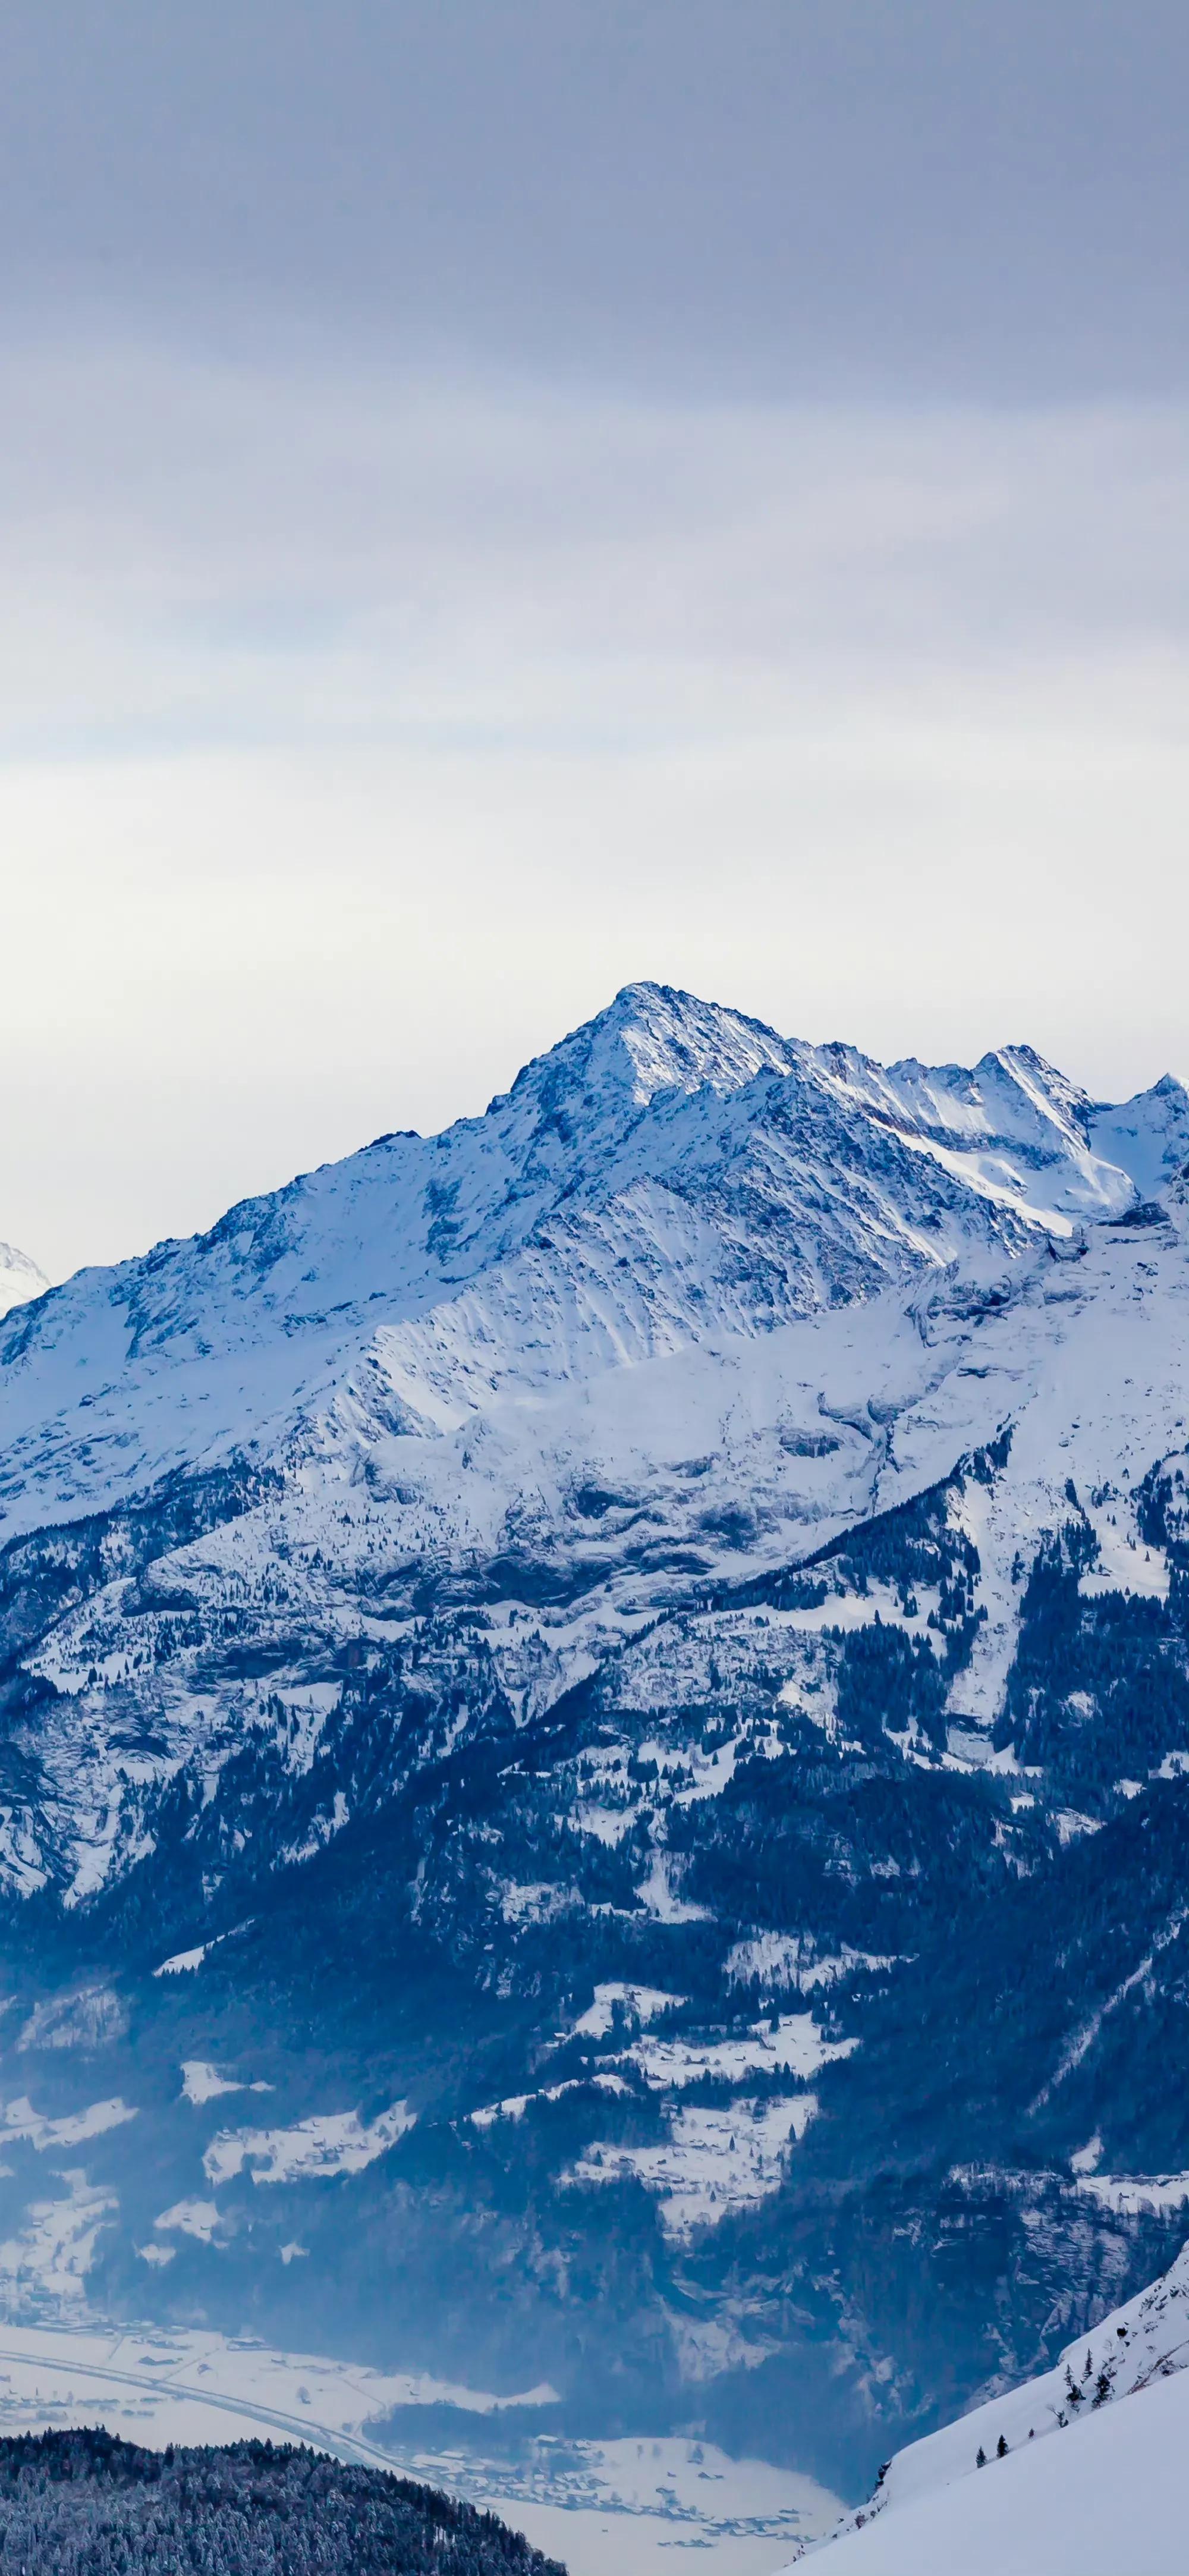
[[595, 1741]]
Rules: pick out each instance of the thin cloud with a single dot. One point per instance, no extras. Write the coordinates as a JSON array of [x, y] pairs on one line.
[[361, 733]]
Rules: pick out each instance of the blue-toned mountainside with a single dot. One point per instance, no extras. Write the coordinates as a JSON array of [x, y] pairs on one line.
[[20, 1278], [594, 1717]]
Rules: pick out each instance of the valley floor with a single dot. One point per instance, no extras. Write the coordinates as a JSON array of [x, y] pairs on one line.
[[652, 2505]]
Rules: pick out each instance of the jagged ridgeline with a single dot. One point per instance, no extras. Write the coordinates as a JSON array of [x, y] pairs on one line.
[[86, 2504], [594, 1751]]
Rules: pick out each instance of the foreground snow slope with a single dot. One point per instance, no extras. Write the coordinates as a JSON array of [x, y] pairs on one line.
[[1107, 2500], [1092, 2480]]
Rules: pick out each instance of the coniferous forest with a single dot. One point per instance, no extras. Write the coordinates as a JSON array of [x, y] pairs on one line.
[[87, 2504]]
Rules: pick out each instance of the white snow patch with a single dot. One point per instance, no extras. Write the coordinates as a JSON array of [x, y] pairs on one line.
[[330, 2143], [1135, 2195], [713, 2161], [536, 1903], [1125, 1563], [605, 1824], [92, 2019], [1071, 1825], [322, 1831], [514, 2105], [44, 2269], [657, 1895], [637, 2003], [784, 1959], [190, 2218], [792, 2045], [18, 2119], [879, 1605], [203, 2083]]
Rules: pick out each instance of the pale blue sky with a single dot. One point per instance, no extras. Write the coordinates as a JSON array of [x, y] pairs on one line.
[[500, 498]]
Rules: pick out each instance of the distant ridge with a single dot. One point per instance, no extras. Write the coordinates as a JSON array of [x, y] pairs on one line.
[[20, 1278]]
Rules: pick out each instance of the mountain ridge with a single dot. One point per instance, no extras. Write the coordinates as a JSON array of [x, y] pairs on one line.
[[21, 1280], [523, 1645], [746, 1172]]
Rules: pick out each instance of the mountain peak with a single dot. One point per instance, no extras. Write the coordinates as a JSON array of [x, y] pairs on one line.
[[653, 1038], [20, 1279], [675, 1041]]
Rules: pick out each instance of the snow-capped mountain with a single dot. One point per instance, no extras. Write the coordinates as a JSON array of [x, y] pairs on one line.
[[20, 1278], [670, 1174], [1109, 2496], [627, 1666]]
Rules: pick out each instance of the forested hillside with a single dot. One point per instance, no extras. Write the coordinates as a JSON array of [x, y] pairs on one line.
[[86, 2504]]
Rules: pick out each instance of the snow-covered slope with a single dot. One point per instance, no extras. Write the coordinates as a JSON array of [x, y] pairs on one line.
[[1109, 2500], [524, 1645], [689, 1294], [20, 1278], [1058, 2478], [669, 1174]]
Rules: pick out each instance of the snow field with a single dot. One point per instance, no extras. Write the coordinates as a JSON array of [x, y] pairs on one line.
[[713, 2161], [329, 2143], [1108, 2499], [1086, 2469]]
